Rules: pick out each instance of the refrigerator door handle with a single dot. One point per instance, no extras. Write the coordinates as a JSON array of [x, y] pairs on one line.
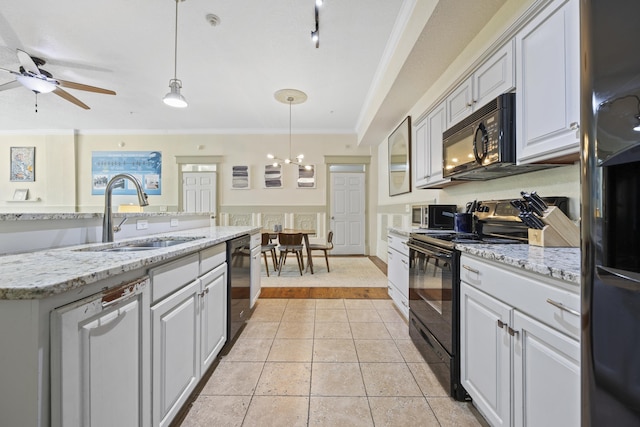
[[619, 278]]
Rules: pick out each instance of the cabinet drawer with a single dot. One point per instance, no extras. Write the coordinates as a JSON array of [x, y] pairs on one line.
[[173, 275], [212, 257], [399, 243], [549, 300]]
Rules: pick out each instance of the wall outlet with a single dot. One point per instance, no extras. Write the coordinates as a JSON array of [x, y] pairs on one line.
[[174, 222], [407, 208], [142, 224], [162, 208]]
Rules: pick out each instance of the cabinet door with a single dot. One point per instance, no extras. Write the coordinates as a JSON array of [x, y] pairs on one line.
[[436, 125], [460, 103], [175, 351], [494, 77], [99, 362], [255, 286], [213, 315], [548, 76], [546, 375], [420, 155], [485, 354]]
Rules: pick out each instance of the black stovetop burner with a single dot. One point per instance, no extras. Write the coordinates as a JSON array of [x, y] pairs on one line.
[[448, 238]]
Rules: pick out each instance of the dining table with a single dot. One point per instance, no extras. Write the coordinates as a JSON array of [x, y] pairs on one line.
[[305, 238]]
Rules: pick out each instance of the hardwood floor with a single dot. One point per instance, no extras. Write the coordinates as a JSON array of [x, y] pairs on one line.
[[330, 292]]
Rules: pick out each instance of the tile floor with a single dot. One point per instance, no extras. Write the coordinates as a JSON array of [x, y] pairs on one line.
[[326, 362]]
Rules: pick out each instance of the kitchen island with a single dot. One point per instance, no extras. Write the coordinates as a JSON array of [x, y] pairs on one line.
[[37, 287]]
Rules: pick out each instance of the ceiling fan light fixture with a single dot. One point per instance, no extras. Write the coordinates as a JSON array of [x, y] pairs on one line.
[[174, 98], [36, 84]]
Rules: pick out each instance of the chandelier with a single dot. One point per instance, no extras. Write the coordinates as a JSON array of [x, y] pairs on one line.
[[289, 96]]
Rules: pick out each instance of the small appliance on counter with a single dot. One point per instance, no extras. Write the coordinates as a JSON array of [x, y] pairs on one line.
[[432, 216]]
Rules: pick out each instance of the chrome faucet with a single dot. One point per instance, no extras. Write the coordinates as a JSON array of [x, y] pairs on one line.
[[107, 221]]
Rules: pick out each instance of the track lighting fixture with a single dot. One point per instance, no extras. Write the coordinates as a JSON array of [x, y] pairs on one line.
[[174, 98], [315, 35]]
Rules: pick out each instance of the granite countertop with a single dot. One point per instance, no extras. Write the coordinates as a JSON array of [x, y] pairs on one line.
[[559, 263], [44, 273], [87, 215]]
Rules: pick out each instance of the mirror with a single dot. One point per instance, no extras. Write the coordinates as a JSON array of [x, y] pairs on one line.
[[400, 159]]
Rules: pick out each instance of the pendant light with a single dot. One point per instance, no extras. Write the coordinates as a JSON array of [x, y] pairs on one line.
[[289, 96], [174, 98]]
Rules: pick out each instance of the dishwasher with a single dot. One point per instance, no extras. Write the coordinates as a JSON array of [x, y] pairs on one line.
[[239, 286], [98, 358]]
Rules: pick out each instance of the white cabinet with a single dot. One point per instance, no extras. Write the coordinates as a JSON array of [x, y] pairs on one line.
[[428, 150], [494, 77], [548, 76], [189, 327], [398, 271], [255, 287], [519, 344], [99, 359]]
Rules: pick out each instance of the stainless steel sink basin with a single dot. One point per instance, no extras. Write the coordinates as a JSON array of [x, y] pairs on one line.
[[144, 245]]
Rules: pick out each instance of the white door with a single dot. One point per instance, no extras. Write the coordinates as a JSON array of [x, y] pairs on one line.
[[347, 213], [199, 192]]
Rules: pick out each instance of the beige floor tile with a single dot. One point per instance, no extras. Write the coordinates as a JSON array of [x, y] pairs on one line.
[[451, 413], [249, 350], [358, 304], [402, 411], [332, 330], [301, 303], [322, 304], [358, 315], [391, 316], [369, 331], [409, 351], [334, 350], [339, 411], [377, 351], [268, 313], [272, 302], [398, 330], [383, 304], [331, 315], [295, 330], [427, 379], [389, 379], [291, 350], [227, 411], [257, 329], [285, 379], [301, 315], [336, 379], [233, 379], [277, 411]]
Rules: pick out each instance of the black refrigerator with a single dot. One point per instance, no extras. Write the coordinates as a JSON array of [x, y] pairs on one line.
[[610, 168]]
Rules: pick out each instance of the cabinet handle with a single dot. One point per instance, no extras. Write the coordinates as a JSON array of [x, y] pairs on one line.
[[405, 262], [473, 270], [501, 324], [203, 293], [562, 307], [405, 304], [512, 332], [574, 126]]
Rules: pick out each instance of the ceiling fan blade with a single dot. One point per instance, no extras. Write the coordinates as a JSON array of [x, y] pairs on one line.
[[66, 95], [26, 62], [9, 85], [88, 88]]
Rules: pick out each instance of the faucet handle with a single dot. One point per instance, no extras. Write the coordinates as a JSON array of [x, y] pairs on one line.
[[118, 227]]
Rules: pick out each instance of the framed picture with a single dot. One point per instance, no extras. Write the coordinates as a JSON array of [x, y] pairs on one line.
[[240, 178], [273, 176], [400, 159], [307, 176], [21, 194], [23, 167]]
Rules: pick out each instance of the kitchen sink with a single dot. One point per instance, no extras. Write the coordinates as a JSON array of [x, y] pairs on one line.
[[144, 245]]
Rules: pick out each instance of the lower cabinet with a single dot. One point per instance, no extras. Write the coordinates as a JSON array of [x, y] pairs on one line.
[[518, 369], [99, 359], [398, 272]]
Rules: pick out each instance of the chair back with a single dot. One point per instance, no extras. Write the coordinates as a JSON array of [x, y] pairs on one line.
[[330, 240], [288, 239], [265, 239]]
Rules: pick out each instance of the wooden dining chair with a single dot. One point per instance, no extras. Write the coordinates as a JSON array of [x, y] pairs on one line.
[[268, 247], [324, 248], [290, 243]]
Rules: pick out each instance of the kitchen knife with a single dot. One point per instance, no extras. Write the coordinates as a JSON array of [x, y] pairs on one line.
[[533, 206], [539, 200], [537, 222]]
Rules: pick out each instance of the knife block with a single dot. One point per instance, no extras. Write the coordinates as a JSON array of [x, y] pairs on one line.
[[559, 231]]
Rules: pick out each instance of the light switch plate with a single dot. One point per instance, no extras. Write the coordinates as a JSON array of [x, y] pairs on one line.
[[174, 222], [142, 224]]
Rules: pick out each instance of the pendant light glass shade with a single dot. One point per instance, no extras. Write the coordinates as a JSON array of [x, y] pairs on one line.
[[174, 98], [36, 84]]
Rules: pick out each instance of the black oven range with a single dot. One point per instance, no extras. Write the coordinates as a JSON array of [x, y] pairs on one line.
[[434, 284]]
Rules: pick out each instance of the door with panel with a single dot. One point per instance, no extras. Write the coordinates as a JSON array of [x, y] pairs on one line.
[[199, 192], [348, 213]]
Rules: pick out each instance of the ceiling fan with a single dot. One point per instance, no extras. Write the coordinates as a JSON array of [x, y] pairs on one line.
[[34, 78]]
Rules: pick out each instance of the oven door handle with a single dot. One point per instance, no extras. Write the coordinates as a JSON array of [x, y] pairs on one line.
[[422, 250]]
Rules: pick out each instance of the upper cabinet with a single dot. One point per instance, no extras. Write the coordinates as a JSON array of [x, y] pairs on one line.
[[492, 78], [548, 76], [428, 150]]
